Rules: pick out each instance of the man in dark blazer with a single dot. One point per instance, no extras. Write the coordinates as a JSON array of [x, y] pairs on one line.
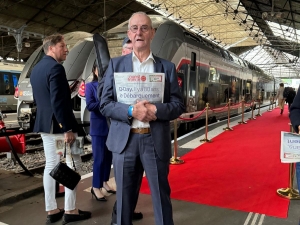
[[295, 120], [295, 112], [55, 119], [139, 134]]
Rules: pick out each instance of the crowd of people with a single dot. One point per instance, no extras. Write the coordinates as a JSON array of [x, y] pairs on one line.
[[116, 140]]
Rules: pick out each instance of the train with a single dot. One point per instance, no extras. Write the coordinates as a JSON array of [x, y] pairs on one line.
[[9, 76], [206, 73], [210, 74]]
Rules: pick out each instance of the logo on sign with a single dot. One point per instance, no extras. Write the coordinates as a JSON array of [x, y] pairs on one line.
[[155, 78], [143, 78]]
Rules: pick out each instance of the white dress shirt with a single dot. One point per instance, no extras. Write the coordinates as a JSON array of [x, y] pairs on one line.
[[147, 67]]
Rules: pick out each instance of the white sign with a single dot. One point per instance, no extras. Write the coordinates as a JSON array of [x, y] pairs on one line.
[[290, 147], [76, 147], [131, 87]]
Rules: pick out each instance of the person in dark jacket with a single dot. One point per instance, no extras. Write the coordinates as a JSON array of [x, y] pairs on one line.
[[289, 95], [98, 131], [55, 119], [139, 134], [295, 120]]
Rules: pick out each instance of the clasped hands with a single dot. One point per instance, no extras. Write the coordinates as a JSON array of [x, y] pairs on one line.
[[144, 111]]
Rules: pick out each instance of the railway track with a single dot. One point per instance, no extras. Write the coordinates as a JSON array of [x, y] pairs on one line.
[[34, 158]]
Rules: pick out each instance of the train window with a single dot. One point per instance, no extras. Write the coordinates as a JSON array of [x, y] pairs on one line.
[[213, 75], [37, 59], [8, 82], [193, 61], [248, 87]]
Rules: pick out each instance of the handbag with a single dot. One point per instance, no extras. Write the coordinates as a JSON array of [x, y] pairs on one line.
[[64, 174]]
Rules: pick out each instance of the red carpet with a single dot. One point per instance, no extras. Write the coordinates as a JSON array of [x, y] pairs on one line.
[[239, 170]]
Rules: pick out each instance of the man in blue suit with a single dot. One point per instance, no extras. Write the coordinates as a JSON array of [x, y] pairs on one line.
[[139, 134], [55, 119]]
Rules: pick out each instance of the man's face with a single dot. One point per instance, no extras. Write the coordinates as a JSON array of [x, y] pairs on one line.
[[140, 32], [59, 51], [127, 49]]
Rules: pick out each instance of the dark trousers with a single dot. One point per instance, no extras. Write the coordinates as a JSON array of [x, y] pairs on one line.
[[102, 161], [140, 154]]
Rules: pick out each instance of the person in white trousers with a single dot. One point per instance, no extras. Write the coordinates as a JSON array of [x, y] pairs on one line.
[[55, 118]]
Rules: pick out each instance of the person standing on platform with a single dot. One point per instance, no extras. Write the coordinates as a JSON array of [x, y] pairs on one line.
[[295, 121], [139, 134], [55, 119], [126, 46], [280, 97], [127, 49], [289, 95], [98, 130]]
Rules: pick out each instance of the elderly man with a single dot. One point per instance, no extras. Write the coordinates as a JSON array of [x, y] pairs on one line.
[[139, 134], [126, 49]]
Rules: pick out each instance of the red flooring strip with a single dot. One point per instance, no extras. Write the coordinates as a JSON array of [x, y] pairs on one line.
[[239, 170]]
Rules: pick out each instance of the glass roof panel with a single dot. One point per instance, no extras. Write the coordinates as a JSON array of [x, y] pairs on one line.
[[228, 24]]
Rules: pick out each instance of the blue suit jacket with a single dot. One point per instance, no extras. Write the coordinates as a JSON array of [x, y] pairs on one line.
[[171, 108], [98, 123], [295, 112], [51, 93]]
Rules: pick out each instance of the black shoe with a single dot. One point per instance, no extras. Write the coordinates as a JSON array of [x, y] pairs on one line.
[[110, 191], [137, 216], [83, 215], [103, 199], [55, 217]]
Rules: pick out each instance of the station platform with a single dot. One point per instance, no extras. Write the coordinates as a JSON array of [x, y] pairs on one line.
[[29, 208]]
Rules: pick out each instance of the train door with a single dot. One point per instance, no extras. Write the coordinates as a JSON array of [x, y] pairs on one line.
[[182, 86], [224, 93], [247, 91], [214, 97], [225, 88], [192, 84]]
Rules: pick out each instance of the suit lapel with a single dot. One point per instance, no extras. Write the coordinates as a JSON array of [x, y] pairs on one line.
[[128, 63], [158, 67]]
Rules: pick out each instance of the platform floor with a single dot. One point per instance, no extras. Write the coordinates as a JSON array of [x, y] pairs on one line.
[[31, 210]]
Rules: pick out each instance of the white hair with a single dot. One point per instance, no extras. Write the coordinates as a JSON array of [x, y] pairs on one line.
[[142, 13]]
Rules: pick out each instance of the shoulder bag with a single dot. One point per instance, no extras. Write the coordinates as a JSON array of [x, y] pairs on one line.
[[64, 174]]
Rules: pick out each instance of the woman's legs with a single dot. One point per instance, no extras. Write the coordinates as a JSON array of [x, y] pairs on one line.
[[98, 156], [106, 166]]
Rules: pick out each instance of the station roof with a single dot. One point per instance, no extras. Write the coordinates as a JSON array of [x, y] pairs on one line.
[[264, 32]]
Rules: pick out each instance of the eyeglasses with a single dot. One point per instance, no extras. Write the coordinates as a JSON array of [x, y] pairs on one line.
[[129, 48], [143, 28]]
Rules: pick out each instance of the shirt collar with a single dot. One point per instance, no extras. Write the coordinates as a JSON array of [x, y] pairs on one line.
[[149, 57]]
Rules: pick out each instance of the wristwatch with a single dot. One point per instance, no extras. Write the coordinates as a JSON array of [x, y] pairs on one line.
[[129, 112]]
